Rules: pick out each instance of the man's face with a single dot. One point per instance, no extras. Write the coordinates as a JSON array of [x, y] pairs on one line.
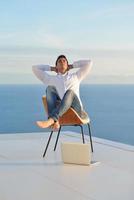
[[62, 65]]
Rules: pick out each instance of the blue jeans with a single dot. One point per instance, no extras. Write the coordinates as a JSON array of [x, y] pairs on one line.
[[57, 107]]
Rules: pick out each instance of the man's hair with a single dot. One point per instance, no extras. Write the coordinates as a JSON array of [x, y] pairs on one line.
[[61, 56]]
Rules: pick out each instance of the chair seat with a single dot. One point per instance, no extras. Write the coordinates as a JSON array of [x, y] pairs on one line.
[[71, 117]]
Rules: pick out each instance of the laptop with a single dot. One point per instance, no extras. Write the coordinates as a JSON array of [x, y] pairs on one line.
[[76, 153]]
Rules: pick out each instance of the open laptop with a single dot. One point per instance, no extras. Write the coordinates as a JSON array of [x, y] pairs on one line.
[[76, 153]]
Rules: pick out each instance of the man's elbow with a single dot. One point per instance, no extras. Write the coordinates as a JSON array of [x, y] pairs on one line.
[[34, 68], [90, 64]]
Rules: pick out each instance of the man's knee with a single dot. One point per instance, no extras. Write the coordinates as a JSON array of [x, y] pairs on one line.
[[50, 88], [71, 92]]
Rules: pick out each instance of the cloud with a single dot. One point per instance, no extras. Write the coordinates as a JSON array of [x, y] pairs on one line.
[[118, 10], [7, 35], [48, 39], [28, 38]]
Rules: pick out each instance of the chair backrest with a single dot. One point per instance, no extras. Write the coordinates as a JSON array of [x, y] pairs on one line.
[[69, 118]]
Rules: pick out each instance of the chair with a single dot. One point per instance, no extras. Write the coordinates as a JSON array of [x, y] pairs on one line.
[[70, 118]]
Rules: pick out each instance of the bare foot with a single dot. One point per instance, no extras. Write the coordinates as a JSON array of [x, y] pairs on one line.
[[45, 124], [56, 126]]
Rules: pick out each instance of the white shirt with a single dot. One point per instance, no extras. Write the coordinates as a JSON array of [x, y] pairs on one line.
[[66, 81]]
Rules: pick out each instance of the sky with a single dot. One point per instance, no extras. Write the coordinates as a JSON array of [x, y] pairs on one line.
[[36, 32]]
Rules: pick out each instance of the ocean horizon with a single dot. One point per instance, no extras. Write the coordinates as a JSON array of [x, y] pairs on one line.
[[110, 108]]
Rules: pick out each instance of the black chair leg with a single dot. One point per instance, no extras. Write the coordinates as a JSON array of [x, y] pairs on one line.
[[47, 144], [82, 133], [57, 138], [89, 130]]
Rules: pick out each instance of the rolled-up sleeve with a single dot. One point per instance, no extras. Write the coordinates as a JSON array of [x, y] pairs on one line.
[[85, 68]]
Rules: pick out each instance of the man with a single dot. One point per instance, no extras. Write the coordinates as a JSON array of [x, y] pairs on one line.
[[62, 90]]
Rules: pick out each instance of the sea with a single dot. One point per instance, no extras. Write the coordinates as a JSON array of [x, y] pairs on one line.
[[110, 108]]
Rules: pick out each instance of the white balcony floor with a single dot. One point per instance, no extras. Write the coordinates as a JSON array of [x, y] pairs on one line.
[[26, 175]]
